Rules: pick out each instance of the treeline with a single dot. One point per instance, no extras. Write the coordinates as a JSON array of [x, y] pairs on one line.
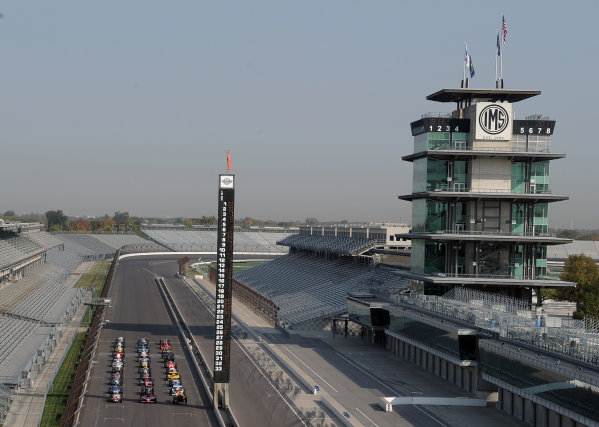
[[120, 222], [579, 234]]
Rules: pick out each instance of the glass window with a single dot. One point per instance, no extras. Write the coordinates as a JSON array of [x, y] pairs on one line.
[[518, 175], [459, 140], [539, 175], [518, 218], [438, 140], [436, 175]]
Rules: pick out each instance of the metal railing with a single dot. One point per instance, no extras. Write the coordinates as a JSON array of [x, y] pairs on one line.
[[512, 319]]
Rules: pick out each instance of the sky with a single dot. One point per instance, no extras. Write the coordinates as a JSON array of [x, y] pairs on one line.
[[129, 106]]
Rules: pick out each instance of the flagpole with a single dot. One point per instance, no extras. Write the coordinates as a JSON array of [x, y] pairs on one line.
[[496, 54], [465, 62]]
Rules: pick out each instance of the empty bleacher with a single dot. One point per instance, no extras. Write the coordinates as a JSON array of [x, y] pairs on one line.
[[205, 240], [30, 305], [339, 245], [308, 287]]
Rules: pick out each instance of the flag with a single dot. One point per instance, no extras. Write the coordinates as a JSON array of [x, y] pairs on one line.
[[468, 62], [228, 160], [504, 26], [498, 44]]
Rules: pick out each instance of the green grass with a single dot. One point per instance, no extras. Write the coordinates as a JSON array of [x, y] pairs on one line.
[[95, 278], [59, 392]]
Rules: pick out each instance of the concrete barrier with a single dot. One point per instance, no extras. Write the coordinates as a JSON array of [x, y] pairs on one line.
[[386, 403]]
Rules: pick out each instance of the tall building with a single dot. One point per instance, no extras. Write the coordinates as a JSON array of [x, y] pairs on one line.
[[480, 195]]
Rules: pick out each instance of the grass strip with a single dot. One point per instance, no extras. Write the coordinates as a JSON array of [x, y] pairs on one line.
[[59, 393]]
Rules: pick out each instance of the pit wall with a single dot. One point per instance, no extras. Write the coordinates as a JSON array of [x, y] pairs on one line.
[[467, 375], [461, 373]]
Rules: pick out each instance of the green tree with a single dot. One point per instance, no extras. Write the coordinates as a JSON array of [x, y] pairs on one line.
[[56, 220], [582, 270], [121, 218], [587, 305]]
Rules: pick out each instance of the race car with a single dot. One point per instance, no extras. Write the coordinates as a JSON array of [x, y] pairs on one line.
[[144, 375], [180, 398], [144, 364], [142, 341], [142, 349], [143, 371], [120, 341], [115, 389], [148, 382], [116, 381], [169, 364], [147, 395], [168, 356], [116, 397], [176, 389], [165, 344], [143, 359], [172, 376]]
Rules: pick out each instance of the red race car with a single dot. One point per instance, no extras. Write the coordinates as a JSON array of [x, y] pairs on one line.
[[147, 395], [147, 382]]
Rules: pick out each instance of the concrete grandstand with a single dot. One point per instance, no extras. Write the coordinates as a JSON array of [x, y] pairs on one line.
[[177, 239], [38, 295]]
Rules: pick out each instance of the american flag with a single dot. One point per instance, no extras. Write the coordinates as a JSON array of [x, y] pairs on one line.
[[504, 25]]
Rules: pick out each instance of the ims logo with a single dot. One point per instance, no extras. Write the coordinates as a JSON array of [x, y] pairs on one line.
[[493, 119]]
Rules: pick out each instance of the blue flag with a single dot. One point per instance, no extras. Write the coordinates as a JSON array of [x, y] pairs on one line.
[[498, 45], [471, 66]]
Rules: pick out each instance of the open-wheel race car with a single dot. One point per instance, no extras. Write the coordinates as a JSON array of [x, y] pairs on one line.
[[147, 395], [115, 397], [180, 398]]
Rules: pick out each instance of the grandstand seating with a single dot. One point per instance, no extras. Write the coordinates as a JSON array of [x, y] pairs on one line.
[[205, 240], [307, 287], [44, 240], [562, 252], [41, 295], [339, 245], [116, 241]]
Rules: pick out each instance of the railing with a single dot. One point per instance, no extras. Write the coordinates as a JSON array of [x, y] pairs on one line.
[[493, 232], [469, 147], [514, 322], [464, 189]]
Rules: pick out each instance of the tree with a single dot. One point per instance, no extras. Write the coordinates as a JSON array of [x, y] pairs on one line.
[[80, 225], [311, 221], [9, 213], [56, 220], [582, 270], [121, 217]]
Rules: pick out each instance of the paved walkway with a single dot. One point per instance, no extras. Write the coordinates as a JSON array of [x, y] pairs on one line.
[[26, 410], [353, 374]]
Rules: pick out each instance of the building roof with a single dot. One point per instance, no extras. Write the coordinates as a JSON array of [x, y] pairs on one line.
[[468, 94]]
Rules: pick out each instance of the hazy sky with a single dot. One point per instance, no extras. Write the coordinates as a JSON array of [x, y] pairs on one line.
[[129, 105]]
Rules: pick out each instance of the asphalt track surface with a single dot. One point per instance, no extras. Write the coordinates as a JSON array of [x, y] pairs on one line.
[[138, 310]]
